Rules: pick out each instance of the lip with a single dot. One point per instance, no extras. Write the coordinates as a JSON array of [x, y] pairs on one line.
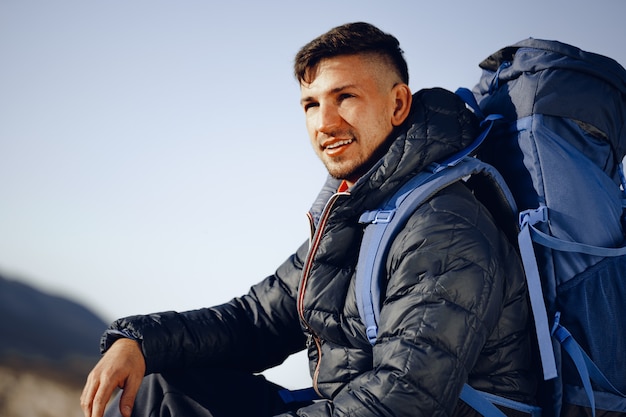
[[336, 145]]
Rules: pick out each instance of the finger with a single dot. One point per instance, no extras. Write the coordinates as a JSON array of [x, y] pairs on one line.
[[86, 397], [127, 400], [101, 399]]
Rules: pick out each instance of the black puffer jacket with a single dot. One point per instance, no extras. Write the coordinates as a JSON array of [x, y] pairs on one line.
[[454, 310]]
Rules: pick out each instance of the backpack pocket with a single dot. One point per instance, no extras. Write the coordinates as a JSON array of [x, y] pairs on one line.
[[593, 307]]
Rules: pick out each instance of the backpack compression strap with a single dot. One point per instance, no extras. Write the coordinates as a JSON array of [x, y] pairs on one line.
[[529, 261]]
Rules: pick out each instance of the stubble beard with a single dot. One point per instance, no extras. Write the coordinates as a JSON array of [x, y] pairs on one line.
[[343, 169]]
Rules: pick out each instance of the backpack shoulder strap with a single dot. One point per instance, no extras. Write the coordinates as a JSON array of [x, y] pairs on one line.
[[383, 224]]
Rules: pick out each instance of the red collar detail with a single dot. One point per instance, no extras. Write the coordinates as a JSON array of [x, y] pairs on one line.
[[343, 187]]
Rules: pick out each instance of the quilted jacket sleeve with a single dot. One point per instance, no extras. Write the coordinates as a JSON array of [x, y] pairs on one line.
[[252, 332]]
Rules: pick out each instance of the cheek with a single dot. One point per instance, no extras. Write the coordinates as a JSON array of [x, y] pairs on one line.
[[377, 131], [310, 127]]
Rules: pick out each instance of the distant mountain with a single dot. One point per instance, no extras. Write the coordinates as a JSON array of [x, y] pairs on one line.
[[43, 330], [48, 344]]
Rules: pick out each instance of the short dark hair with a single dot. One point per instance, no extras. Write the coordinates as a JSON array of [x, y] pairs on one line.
[[351, 39]]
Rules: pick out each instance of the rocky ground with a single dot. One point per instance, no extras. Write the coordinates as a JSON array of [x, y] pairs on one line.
[[30, 393]]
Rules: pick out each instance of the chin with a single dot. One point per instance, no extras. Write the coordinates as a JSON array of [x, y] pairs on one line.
[[349, 176], [350, 172]]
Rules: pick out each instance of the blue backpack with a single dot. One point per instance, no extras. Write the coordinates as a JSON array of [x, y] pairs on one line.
[[551, 156]]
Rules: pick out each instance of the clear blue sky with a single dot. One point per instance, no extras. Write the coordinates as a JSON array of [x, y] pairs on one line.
[[153, 155]]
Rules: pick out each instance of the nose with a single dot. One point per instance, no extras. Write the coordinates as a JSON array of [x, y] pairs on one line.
[[328, 118]]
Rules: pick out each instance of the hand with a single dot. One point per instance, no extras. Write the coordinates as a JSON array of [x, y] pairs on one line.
[[122, 366]]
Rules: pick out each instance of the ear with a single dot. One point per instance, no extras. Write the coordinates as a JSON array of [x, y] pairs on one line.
[[403, 99]]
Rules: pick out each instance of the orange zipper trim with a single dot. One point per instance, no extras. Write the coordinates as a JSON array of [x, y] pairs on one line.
[[315, 241]]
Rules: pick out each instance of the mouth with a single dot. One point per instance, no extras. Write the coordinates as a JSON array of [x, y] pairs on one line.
[[338, 144]]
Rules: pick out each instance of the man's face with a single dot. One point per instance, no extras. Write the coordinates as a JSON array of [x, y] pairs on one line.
[[350, 107]]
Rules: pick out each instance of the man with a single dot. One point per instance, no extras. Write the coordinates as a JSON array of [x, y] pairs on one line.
[[454, 309]]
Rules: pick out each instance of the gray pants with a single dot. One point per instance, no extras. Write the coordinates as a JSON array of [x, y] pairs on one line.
[[206, 393]]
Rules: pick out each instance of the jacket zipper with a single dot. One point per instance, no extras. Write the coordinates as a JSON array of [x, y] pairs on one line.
[[315, 240]]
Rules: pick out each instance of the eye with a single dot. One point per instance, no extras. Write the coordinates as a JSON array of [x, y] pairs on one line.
[[309, 105], [345, 96]]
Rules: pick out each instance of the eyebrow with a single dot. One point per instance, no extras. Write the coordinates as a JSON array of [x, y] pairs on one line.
[[336, 90]]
